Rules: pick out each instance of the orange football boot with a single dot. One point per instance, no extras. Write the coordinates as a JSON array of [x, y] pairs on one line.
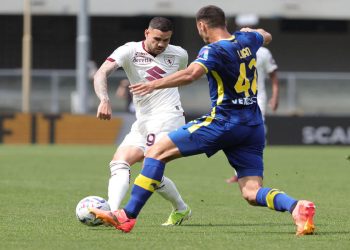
[[118, 219], [303, 215]]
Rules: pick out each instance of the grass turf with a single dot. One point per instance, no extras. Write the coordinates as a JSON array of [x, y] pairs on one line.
[[41, 185]]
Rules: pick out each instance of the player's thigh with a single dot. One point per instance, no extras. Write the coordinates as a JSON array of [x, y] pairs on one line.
[[160, 125], [132, 147], [196, 138], [164, 150], [130, 154], [247, 156]]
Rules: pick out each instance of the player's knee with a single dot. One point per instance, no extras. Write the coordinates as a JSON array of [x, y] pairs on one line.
[[116, 166], [128, 154], [155, 152], [164, 150]]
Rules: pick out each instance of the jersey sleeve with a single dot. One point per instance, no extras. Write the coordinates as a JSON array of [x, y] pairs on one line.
[[120, 55], [270, 64], [259, 39], [207, 58], [254, 40], [183, 60]]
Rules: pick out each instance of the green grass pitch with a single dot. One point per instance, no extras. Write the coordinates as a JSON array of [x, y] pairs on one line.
[[41, 185]]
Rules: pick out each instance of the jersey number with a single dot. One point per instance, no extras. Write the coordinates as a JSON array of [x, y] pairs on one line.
[[151, 138], [243, 83]]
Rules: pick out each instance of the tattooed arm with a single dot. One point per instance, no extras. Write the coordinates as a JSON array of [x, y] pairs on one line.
[[104, 111]]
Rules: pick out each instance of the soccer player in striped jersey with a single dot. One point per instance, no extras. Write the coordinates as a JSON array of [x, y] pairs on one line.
[[234, 125], [156, 113]]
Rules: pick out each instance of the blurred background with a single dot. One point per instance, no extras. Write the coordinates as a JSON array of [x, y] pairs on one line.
[[50, 50]]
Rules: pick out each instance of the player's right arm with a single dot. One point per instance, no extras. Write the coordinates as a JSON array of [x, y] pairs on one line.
[[270, 67], [104, 110], [273, 102], [266, 35]]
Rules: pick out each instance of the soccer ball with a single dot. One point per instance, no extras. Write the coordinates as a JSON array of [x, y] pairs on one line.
[[82, 210]]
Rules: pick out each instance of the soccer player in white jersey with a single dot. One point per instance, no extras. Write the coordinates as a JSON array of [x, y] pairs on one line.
[[156, 114], [266, 65]]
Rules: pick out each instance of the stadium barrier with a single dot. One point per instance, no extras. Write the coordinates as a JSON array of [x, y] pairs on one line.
[[39, 128], [301, 93], [304, 130], [308, 130]]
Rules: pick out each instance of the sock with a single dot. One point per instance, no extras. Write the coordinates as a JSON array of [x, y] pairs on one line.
[[144, 186], [118, 183], [168, 191], [275, 199]]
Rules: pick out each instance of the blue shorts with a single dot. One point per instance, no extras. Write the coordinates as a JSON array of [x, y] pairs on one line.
[[242, 145]]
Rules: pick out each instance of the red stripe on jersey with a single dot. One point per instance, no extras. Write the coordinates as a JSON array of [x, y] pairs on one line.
[[110, 59]]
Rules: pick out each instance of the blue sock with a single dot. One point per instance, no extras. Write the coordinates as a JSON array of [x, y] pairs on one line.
[[275, 199], [145, 184]]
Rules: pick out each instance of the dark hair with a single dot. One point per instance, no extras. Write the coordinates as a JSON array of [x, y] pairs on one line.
[[212, 15], [161, 23]]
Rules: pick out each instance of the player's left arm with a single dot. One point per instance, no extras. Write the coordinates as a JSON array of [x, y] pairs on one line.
[[266, 35], [273, 102], [183, 77]]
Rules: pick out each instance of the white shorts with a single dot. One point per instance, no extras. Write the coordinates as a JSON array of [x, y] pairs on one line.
[[146, 130]]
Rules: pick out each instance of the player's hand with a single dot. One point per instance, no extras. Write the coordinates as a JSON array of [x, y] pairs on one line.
[[141, 88], [273, 104], [246, 29], [104, 110]]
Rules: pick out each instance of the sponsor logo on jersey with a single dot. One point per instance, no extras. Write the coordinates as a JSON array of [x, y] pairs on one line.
[[244, 101], [154, 73], [140, 54], [141, 58], [204, 54], [169, 60]]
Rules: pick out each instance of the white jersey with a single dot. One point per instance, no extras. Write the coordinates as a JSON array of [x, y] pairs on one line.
[[140, 66], [265, 64]]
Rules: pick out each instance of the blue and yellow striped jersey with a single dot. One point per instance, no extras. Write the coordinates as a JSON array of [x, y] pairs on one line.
[[230, 66]]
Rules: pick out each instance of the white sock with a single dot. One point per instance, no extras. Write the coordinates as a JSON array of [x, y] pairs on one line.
[[168, 191], [118, 183]]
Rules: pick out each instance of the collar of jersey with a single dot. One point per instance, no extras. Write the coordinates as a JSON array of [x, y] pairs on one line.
[[228, 39]]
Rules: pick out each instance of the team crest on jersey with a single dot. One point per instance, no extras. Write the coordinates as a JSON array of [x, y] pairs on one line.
[[169, 60]]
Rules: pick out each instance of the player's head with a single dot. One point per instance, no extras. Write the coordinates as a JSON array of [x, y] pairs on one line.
[[158, 35], [208, 18]]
